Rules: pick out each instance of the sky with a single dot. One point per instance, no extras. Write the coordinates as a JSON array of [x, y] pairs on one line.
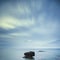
[[29, 23]]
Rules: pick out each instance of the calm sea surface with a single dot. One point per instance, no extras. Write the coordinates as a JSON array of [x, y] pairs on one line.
[[17, 54]]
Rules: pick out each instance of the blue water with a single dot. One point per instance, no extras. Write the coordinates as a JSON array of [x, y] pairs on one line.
[[17, 54]]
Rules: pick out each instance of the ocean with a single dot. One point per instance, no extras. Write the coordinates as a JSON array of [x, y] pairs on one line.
[[40, 54]]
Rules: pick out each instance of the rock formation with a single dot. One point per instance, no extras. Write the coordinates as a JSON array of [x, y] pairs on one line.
[[29, 54]]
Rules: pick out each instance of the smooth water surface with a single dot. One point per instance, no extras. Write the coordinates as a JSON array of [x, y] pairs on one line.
[[18, 54]]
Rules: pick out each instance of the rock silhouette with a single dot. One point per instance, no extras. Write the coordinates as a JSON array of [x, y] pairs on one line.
[[40, 51], [29, 54]]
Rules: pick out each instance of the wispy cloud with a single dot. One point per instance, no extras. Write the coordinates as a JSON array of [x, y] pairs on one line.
[[11, 22], [20, 34]]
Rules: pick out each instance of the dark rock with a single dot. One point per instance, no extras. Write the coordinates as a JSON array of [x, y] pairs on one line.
[[29, 54], [41, 51]]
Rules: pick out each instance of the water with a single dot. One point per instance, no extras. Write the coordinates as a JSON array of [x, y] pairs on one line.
[[17, 54]]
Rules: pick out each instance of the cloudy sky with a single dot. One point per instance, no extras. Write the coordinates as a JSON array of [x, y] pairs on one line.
[[29, 23]]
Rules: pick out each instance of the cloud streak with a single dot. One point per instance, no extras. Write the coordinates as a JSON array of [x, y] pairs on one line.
[[11, 22]]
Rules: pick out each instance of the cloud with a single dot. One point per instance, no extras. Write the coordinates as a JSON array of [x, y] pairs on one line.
[[36, 5], [16, 9], [21, 9], [16, 35], [45, 26], [45, 30], [20, 34], [12, 22]]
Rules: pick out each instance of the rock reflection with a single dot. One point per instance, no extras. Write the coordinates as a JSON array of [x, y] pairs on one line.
[[28, 59]]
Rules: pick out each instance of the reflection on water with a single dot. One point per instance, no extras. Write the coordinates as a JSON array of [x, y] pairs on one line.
[[17, 54], [28, 59]]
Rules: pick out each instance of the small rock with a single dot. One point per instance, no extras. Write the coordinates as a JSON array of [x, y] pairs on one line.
[[41, 51], [29, 54]]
